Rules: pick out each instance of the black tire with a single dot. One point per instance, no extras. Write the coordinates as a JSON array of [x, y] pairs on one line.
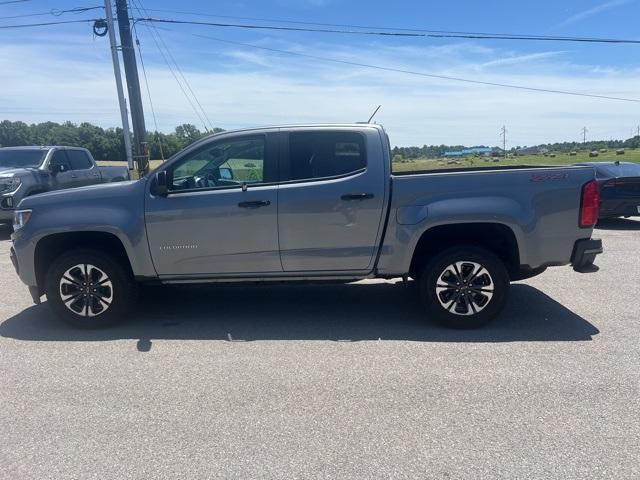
[[119, 290], [476, 310]]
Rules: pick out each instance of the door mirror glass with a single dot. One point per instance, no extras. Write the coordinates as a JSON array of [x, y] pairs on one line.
[[160, 187], [226, 173]]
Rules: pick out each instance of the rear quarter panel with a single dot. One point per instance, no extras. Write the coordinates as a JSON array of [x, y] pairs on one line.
[[540, 205]]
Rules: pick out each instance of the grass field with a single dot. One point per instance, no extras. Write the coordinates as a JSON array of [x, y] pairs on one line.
[[488, 162], [559, 159]]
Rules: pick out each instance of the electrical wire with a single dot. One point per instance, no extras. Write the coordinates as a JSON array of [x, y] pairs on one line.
[[469, 35], [204, 118], [482, 35], [54, 11], [13, 1], [44, 24], [146, 82], [413, 72]]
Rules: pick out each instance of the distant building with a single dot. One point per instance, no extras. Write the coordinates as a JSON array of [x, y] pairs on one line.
[[467, 152]]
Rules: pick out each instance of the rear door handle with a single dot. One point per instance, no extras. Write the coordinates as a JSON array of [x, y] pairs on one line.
[[357, 196], [74, 176], [256, 204]]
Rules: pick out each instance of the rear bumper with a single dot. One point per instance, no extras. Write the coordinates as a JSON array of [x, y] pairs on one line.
[[584, 254]]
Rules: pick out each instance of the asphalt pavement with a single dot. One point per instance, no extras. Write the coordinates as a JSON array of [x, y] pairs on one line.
[[330, 381]]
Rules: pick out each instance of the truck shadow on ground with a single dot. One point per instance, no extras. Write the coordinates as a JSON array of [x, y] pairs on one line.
[[618, 224], [354, 312]]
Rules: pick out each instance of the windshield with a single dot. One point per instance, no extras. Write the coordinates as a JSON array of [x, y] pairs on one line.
[[21, 158]]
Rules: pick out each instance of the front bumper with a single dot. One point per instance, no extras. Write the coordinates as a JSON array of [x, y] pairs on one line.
[[584, 254], [6, 215], [34, 291]]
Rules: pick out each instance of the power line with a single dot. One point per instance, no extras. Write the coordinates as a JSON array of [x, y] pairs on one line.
[[13, 1], [465, 35], [146, 82], [416, 73], [482, 35], [153, 31], [44, 24], [186, 82], [54, 11]]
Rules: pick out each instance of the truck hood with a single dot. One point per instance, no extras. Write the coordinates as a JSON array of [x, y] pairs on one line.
[[13, 171], [83, 196]]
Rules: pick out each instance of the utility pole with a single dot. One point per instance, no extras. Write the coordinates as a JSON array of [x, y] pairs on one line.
[[116, 70], [503, 134], [584, 135], [638, 131], [133, 87]]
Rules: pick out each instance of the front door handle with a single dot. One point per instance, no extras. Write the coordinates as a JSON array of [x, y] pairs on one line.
[[74, 176], [357, 196], [256, 204]]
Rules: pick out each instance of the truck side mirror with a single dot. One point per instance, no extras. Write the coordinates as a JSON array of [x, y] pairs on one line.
[[57, 168], [160, 186], [225, 173]]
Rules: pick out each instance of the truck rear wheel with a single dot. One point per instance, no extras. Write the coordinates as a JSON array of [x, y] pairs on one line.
[[90, 289], [464, 287]]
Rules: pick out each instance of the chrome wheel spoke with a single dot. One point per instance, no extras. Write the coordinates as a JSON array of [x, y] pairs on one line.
[[86, 290], [464, 288]]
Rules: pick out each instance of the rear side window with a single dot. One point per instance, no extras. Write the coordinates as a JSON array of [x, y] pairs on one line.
[[325, 154], [79, 160]]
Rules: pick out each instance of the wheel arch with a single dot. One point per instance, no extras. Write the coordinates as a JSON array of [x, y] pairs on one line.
[[50, 247], [495, 237]]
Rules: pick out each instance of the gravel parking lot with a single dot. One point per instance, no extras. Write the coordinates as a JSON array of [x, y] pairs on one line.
[[330, 382]]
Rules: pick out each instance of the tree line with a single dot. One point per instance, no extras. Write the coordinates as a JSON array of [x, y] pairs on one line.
[[103, 143], [108, 144]]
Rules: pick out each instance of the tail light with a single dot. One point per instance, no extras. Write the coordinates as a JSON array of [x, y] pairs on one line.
[[589, 204]]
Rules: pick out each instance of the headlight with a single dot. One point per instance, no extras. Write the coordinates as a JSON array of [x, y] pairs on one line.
[[9, 184], [20, 219]]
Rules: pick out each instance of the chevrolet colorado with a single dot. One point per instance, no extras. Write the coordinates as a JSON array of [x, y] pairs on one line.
[[305, 203]]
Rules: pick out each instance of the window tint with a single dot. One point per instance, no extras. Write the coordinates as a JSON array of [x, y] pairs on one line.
[[325, 154], [222, 164], [79, 160], [60, 158]]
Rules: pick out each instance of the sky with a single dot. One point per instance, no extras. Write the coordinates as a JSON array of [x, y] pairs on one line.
[[63, 72]]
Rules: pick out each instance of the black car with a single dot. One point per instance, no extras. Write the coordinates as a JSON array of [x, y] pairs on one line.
[[619, 188]]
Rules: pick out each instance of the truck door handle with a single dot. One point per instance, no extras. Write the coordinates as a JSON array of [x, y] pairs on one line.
[[74, 176], [357, 196], [96, 174], [256, 204]]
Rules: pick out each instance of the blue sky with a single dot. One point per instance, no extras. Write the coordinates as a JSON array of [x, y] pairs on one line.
[[63, 73]]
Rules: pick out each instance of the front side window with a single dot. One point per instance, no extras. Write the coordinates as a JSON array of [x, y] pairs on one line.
[[325, 154], [78, 160], [222, 164], [60, 158]]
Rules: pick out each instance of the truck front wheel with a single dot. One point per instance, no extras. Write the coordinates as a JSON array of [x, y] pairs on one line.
[[464, 287], [90, 289]]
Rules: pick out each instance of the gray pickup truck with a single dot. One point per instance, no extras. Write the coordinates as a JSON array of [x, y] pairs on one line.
[[27, 171], [305, 203]]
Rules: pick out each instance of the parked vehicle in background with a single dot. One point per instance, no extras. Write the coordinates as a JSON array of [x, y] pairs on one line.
[[306, 203], [619, 188], [26, 171]]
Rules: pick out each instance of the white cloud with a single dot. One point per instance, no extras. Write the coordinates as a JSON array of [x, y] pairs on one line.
[[42, 82], [603, 7]]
